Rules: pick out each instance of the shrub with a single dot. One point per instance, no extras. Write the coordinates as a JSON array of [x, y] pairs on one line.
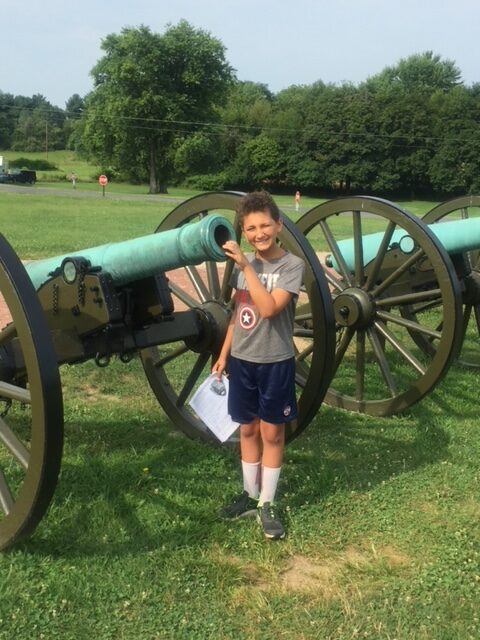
[[207, 182], [34, 165]]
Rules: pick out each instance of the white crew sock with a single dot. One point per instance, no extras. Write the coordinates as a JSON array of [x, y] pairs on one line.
[[269, 484], [251, 478]]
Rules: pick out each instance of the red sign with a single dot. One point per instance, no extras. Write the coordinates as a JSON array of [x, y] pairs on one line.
[[103, 180]]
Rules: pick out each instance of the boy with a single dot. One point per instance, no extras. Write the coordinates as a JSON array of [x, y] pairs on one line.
[[261, 357]]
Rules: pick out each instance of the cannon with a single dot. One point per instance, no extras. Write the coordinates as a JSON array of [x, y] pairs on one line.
[[406, 296], [122, 300], [464, 208]]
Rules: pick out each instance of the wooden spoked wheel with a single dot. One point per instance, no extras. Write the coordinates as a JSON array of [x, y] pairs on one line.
[[379, 367], [31, 407], [176, 370], [468, 270]]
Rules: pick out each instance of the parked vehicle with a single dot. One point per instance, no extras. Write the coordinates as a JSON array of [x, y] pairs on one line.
[[24, 176]]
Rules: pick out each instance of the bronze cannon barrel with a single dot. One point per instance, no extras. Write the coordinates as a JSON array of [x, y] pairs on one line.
[[142, 257], [456, 236]]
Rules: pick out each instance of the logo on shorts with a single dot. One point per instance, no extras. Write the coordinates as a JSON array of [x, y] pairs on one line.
[[247, 317], [287, 411]]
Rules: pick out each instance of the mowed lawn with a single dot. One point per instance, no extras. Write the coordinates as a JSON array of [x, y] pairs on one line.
[[382, 513]]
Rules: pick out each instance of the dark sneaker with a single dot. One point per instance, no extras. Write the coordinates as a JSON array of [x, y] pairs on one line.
[[241, 506], [269, 519]]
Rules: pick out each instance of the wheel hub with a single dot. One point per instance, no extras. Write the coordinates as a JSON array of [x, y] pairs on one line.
[[354, 308], [214, 318]]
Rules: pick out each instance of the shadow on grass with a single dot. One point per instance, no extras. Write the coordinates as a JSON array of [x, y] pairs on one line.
[[127, 489]]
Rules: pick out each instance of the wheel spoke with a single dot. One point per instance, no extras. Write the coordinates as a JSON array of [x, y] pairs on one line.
[[303, 313], [11, 392], [213, 279], [408, 324], [14, 445], [467, 312], [343, 346], [198, 283], [476, 310], [405, 266], [427, 306], [8, 333], [302, 332], [331, 279], [332, 243], [382, 250], [382, 361], [171, 355], [304, 353], [182, 295], [6, 498], [360, 368], [225, 290], [402, 350], [192, 378], [358, 249], [411, 298]]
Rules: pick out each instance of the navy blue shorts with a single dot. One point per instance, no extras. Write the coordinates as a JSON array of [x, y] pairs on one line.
[[265, 391]]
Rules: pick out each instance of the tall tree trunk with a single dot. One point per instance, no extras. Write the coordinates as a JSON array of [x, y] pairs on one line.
[[156, 185]]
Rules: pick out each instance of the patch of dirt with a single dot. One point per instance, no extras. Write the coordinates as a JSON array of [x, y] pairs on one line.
[[327, 575], [92, 393], [331, 577]]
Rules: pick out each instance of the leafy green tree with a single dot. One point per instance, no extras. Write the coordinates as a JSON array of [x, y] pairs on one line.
[[39, 125], [74, 123], [259, 163], [150, 90], [8, 119], [420, 73], [455, 167], [196, 154], [292, 107], [246, 113]]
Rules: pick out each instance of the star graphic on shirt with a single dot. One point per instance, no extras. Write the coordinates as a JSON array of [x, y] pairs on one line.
[[248, 318]]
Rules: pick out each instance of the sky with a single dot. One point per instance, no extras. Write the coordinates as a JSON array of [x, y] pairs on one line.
[[50, 47]]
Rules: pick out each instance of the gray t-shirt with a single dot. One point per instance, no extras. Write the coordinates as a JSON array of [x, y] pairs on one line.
[[266, 340]]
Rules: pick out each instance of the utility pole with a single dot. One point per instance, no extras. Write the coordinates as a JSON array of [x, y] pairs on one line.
[[46, 137]]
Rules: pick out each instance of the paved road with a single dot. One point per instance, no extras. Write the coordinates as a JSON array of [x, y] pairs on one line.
[[79, 193]]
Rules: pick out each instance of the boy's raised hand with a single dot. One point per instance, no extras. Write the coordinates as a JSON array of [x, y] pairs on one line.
[[233, 251]]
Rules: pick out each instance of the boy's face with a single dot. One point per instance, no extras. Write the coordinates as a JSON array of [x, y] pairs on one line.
[[261, 230]]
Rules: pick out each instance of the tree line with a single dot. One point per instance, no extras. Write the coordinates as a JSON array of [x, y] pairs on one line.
[[168, 109]]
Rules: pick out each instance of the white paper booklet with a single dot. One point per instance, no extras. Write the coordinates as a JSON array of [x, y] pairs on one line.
[[210, 404]]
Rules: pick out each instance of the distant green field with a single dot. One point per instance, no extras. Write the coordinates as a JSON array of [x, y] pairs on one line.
[[67, 162]]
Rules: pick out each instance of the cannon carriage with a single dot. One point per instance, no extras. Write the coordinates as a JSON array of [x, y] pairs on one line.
[[375, 329]]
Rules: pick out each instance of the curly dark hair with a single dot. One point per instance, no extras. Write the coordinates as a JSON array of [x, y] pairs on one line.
[[258, 201]]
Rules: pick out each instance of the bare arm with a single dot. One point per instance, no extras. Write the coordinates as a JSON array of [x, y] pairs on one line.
[[268, 304]]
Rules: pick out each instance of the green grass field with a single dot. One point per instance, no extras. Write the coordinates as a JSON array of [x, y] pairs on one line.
[[382, 513]]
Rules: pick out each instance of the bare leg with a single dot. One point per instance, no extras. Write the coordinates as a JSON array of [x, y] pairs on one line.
[[250, 442], [273, 438]]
